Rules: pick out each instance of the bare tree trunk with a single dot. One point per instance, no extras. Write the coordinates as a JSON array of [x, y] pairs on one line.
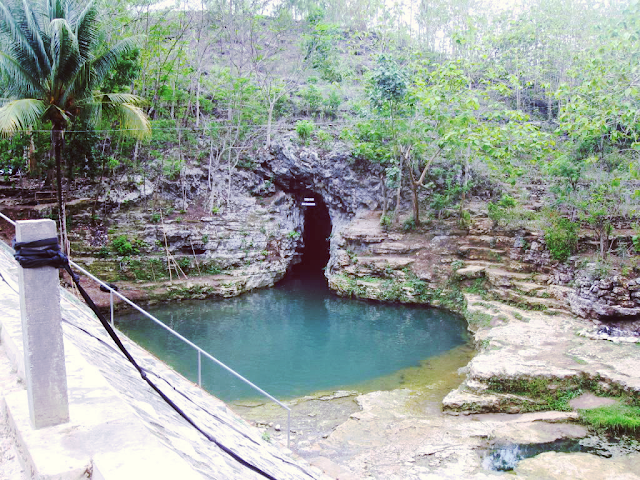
[[384, 194], [414, 197], [396, 213], [465, 179], [198, 101], [269, 120], [33, 163]]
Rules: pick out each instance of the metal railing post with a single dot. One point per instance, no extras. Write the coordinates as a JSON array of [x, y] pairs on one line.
[[111, 305], [288, 428], [199, 369]]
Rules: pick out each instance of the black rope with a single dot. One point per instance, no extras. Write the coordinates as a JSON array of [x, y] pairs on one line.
[[43, 253], [40, 253]]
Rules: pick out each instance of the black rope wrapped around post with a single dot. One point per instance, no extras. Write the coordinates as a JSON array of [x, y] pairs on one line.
[[41, 253], [47, 253]]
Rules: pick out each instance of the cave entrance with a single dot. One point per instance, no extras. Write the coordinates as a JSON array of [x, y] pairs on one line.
[[316, 233]]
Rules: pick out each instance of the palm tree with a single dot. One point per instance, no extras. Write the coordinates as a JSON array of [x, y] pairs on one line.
[[54, 65]]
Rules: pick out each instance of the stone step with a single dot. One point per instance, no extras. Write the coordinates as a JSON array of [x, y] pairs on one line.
[[534, 303], [482, 253], [490, 241], [463, 401], [531, 289], [393, 248], [498, 272], [394, 262]]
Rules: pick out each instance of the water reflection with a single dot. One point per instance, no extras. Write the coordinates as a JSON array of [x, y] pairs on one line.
[[296, 338]]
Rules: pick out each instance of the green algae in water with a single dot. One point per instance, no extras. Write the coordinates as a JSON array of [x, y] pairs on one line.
[[298, 338]]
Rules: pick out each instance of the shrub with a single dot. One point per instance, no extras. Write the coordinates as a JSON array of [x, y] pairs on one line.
[[122, 246], [500, 210], [561, 237], [409, 224], [304, 129]]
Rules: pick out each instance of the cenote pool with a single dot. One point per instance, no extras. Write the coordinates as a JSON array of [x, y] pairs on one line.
[[295, 339]]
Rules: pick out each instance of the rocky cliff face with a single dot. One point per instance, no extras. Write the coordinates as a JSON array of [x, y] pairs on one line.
[[231, 234], [227, 234]]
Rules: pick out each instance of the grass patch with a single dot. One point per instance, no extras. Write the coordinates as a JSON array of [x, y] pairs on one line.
[[555, 394], [578, 360], [617, 419], [546, 395], [478, 287], [478, 319]]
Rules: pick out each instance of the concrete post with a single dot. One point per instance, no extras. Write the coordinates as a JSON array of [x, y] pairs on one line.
[[44, 365]]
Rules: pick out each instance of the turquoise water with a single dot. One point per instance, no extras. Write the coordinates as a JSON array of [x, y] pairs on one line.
[[295, 339]]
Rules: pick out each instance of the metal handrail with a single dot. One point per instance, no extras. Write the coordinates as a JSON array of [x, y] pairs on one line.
[[200, 351]]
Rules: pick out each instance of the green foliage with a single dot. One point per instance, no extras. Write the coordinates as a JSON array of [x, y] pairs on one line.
[[409, 224], [211, 269], [312, 100], [389, 85], [500, 210], [293, 235], [123, 246], [613, 419], [561, 236], [332, 102], [304, 129], [447, 190], [185, 264], [124, 72], [324, 139], [320, 44]]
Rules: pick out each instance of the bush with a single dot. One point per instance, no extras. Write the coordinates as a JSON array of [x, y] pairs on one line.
[[304, 129], [122, 246], [561, 237], [409, 224], [501, 209]]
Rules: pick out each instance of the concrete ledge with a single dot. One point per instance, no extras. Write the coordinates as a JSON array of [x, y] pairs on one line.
[[104, 436]]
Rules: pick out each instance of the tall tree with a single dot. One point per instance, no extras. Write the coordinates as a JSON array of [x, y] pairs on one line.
[[55, 70]]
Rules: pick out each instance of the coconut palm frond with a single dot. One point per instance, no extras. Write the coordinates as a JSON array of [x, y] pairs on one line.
[[33, 31], [57, 8], [63, 40], [10, 26], [132, 119], [92, 113], [21, 83], [86, 30], [20, 115], [118, 98], [78, 85], [107, 61]]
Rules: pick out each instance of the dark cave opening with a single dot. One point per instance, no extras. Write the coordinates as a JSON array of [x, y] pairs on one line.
[[316, 234]]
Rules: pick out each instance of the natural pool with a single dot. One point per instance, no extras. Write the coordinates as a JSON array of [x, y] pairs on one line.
[[295, 338]]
